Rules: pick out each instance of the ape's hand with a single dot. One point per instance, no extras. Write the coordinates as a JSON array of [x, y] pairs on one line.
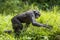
[[48, 26]]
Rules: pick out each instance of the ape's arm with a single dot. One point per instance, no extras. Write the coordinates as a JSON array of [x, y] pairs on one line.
[[32, 17]]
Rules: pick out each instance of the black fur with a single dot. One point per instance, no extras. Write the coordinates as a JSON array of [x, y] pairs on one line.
[[26, 17]]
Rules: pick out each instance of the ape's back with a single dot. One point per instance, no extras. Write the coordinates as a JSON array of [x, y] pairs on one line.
[[24, 17]]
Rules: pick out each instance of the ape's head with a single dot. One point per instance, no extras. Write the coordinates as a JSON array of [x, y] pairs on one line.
[[37, 14]]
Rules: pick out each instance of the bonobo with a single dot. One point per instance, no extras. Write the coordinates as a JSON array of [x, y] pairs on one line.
[[26, 17]]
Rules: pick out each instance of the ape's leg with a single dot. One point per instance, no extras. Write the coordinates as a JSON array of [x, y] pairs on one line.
[[17, 27]]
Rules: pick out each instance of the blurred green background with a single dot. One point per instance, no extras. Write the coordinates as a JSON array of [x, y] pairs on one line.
[[50, 14]]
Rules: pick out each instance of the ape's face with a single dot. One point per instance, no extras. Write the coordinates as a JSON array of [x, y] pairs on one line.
[[37, 14]]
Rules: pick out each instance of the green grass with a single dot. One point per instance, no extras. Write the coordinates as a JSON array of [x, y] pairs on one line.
[[32, 32]]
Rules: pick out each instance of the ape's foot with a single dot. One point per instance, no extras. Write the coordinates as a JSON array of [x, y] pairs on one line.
[[8, 31]]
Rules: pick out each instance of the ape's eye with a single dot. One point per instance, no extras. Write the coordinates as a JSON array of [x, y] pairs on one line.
[[37, 13]]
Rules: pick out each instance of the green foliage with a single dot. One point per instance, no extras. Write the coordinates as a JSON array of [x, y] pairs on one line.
[[15, 6], [51, 17], [6, 37], [10, 5], [33, 32]]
